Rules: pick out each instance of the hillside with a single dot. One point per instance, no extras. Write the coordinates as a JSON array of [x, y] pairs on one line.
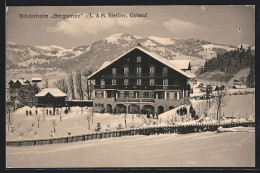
[[25, 60], [229, 66]]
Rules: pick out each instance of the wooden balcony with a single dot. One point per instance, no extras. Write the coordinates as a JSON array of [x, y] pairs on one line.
[[135, 100], [168, 87], [138, 87], [134, 76]]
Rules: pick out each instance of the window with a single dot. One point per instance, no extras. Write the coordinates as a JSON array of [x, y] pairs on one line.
[[186, 93], [139, 82], [113, 81], [141, 94], [126, 82], [151, 95], [113, 70], [122, 94], [152, 70], [131, 94], [165, 82], [126, 94], [146, 94], [171, 95], [99, 94], [126, 69], [102, 82], [139, 59], [151, 82], [138, 70], [165, 71]]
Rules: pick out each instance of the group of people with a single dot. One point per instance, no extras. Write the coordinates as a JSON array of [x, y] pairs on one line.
[[48, 111], [182, 111], [52, 112], [152, 113], [30, 112]]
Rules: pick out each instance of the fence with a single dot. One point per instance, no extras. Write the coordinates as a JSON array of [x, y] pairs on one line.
[[177, 129]]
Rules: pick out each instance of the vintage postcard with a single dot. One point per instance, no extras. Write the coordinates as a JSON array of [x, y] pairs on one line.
[[130, 86]]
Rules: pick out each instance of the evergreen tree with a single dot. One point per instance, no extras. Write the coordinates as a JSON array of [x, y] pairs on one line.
[[26, 95], [231, 62]]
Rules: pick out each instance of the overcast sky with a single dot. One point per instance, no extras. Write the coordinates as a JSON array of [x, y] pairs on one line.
[[218, 24]]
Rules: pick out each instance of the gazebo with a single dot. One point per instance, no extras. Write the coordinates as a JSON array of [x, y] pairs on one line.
[[51, 97]]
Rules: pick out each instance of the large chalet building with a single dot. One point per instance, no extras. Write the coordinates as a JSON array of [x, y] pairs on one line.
[[140, 80]]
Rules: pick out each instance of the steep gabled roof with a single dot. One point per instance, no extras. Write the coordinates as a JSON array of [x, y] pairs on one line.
[[53, 91], [21, 81], [153, 55]]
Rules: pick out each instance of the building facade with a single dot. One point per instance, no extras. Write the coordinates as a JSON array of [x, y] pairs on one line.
[[139, 81], [51, 97]]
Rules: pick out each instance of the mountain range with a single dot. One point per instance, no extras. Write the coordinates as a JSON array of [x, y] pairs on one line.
[[27, 60]]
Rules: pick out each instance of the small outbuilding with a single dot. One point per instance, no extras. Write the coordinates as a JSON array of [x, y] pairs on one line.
[[51, 97]]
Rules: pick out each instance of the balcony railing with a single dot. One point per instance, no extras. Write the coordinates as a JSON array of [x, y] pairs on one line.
[[138, 87], [134, 76], [135, 99], [168, 87], [125, 87]]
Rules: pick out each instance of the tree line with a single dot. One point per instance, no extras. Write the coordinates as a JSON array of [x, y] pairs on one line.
[[76, 86], [233, 61]]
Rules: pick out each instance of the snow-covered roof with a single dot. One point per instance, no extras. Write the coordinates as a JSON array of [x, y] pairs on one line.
[[197, 94], [53, 91], [181, 64], [22, 81], [104, 65], [153, 55], [36, 78], [240, 86]]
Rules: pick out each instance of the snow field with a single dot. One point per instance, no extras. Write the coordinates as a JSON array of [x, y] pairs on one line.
[[242, 106], [209, 149]]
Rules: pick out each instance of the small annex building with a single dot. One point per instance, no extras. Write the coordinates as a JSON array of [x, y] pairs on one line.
[[51, 97]]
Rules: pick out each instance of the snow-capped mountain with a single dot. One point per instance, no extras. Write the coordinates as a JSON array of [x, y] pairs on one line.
[[21, 59]]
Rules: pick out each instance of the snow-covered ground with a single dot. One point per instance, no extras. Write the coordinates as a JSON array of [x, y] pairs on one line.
[[242, 106], [208, 149], [75, 122], [164, 41]]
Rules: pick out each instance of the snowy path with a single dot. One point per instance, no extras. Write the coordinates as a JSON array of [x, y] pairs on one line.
[[209, 149]]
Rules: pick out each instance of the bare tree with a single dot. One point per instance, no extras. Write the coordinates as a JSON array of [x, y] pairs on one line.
[[220, 100], [88, 118], [54, 125], [38, 120], [71, 86], [79, 88], [9, 117], [43, 114], [89, 85], [46, 85], [60, 114], [61, 84]]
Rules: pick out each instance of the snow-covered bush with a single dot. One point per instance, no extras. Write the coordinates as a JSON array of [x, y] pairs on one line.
[[98, 127], [119, 126]]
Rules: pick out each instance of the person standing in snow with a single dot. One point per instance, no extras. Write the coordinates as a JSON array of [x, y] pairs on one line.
[[36, 112], [30, 112], [57, 111], [26, 113], [191, 108]]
